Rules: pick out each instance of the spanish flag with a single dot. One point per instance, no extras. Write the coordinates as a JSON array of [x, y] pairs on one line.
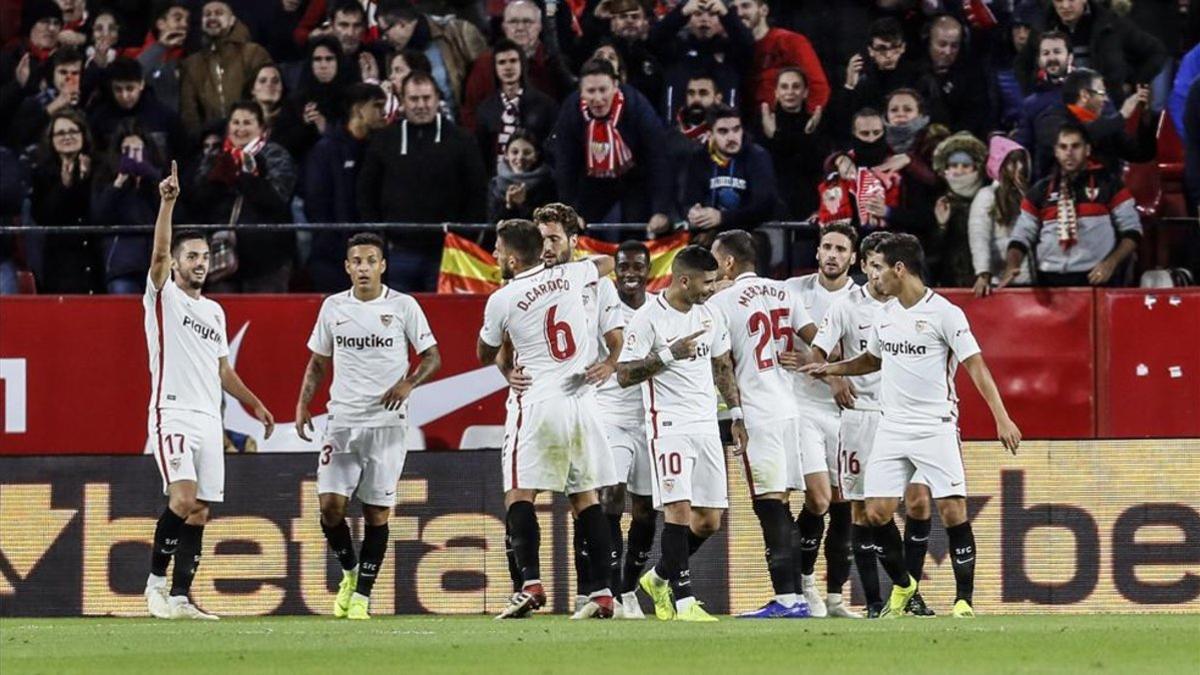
[[467, 268]]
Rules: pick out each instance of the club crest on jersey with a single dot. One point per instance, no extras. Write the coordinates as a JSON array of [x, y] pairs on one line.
[[386, 319], [922, 326], [668, 484], [176, 462]]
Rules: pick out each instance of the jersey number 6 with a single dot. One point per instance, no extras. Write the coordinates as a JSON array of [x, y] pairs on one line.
[[558, 335]]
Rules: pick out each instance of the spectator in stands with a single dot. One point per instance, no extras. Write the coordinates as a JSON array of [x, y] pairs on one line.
[[797, 146], [62, 187], [1188, 73], [127, 98], [908, 130], [331, 181], [316, 104], [732, 186], [960, 162], [349, 21], [994, 211], [399, 65], [514, 105], [523, 182], [956, 92], [627, 24], [868, 81], [125, 192], [250, 180], [451, 45], [163, 52], [74, 30], [13, 185], [702, 36], [690, 133], [607, 50], [1011, 87], [1094, 227], [23, 63], [213, 76], [608, 152], [1130, 136], [1123, 54], [62, 91], [422, 170], [522, 24], [268, 91], [105, 34], [1053, 64], [776, 49]]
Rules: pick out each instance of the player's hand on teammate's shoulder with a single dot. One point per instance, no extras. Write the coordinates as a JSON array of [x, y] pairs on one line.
[[397, 395], [268, 420], [519, 381], [168, 188], [304, 424], [1009, 434], [685, 347]]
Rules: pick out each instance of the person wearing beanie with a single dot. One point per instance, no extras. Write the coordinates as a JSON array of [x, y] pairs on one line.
[[959, 161], [22, 65], [994, 211]]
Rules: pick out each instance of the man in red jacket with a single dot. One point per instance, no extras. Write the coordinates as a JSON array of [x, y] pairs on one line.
[[776, 49]]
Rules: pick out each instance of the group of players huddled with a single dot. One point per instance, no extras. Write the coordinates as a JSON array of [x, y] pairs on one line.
[[839, 397]]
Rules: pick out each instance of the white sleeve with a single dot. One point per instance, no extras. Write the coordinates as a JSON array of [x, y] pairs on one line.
[[611, 316], [494, 316], [222, 333], [321, 340], [582, 272], [873, 338], [720, 334], [957, 334], [800, 316], [833, 327], [416, 326], [639, 338]]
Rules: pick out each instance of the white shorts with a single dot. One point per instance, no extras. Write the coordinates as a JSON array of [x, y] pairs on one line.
[[857, 438], [935, 453], [366, 461], [555, 445], [819, 442], [631, 458], [772, 460], [190, 445], [689, 468]]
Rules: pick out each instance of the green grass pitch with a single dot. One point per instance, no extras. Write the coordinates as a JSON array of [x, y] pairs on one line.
[[552, 644]]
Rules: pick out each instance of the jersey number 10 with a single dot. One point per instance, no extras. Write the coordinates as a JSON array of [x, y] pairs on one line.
[[768, 329]]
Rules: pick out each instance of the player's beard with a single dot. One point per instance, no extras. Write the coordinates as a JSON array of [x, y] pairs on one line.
[[841, 271]]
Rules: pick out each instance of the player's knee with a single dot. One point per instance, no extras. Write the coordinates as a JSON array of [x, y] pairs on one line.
[[877, 515], [642, 510], [917, 504], [613, 499], [816, 503], [332, 512], [953, 511], [198, 514], [184, 505], [706, 525], [376, 515]]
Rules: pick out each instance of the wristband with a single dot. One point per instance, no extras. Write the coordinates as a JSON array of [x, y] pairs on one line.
[[735, 413], [665, 355]]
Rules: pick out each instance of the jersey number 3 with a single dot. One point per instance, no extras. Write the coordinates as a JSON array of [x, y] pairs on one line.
[[767, 329], [559, 336]]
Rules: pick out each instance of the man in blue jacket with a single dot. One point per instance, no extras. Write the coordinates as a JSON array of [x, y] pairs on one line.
[[331, 179], [731, 182], [609, 154]]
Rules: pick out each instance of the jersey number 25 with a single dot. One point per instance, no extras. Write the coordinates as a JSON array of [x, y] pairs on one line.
[[767, 330]]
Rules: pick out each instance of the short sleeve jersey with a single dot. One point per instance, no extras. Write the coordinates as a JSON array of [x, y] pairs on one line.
[[604, 313], [679, 399], [543, 313], [920, 348], [186, 339], [758, 312], [368, 342], [811, 392], [849, 323], [622, 405]]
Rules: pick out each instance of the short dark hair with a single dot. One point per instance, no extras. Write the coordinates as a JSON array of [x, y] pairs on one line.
[[903, 247], [1073, 127], [693, 258], [865, 112], [366, 239], [887, 29], [418, 77], [634, 247], [702, 76], [415, 59], [720, 111], [161, 9], [793, 70], [61, 56], [250, 107], [739, 245], [523, 134], [396, 10], [361, 92], [558, 212], [595, 66], [181, 236], [843, 229], [506, 45], [522, 238], [907, 91], [1054, 35], [1076, 82], [124, 69], [348, 7], [872, 242]]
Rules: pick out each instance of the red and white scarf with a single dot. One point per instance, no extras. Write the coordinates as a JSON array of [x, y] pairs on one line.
[[607, 154], [252, 148]]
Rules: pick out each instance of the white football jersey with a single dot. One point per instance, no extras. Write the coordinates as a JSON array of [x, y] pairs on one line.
[[681, 398], [921, 348], [603, 307], [849, 323], [368, 342], [816, 301], [622, 405], [186, 339], [542, 311], [759, 314]]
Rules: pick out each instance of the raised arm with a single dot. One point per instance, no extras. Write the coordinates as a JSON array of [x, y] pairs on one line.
[[160, 255], [1006, 429], [233, 384], [314, 375]]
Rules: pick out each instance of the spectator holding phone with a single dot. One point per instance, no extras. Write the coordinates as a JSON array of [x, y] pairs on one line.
[[162, 52], [62, 92]]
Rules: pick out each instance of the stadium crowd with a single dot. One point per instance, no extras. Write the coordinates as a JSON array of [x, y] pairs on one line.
[[996, 131]]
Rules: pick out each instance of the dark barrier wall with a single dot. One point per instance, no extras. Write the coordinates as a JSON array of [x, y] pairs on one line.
[[1065, 526]]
